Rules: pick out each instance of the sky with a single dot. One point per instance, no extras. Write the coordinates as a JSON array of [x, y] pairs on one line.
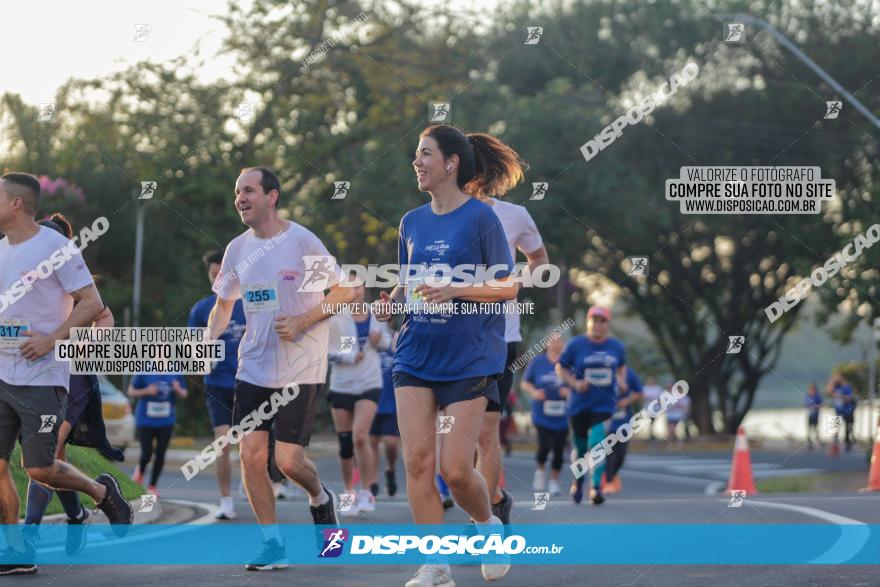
[[47, 42]]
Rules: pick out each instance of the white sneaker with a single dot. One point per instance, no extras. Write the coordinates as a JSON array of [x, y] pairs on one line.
[[345, 499], [555, 489], [431, 576], [366, 501], [538, 480], [280, 489], [500, 564], [227, 509]]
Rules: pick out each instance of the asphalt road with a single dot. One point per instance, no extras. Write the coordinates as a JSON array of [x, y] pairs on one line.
[[658, 488]]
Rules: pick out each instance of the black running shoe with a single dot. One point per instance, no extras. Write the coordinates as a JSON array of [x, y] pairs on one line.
[[598, 498], [117, 509], [273, 556], [503, 507], [390, 483], [76, 533], [24, 562], [325, 514], [374, 489]]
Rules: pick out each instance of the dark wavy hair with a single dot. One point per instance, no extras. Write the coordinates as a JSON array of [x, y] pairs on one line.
[[486, 166]]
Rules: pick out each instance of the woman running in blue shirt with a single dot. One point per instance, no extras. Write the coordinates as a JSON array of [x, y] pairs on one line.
[[594, 366], [451, 360]]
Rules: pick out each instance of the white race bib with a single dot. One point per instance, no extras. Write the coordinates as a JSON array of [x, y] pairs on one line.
[[600, 376], [554, 407], [12, 332], [260, 297], [158, 409]]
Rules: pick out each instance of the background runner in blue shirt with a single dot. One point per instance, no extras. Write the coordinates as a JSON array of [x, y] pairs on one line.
[[813, 403], [220, 382], [384, 427], [844, 401], [549, 395], [451, 361], [626, 398], [593, 366], [154, 417]]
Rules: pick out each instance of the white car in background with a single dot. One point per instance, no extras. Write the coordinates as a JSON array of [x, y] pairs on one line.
[[116, 410]]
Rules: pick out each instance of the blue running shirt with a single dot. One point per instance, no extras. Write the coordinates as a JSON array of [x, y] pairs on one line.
[[449, 347]]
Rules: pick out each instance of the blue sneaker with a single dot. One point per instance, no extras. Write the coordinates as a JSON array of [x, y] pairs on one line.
[[577, 490], [445, 494]]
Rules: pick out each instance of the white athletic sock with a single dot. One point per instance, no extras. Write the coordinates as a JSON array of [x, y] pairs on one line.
[[492, 521], [320, 500], [271, 533]]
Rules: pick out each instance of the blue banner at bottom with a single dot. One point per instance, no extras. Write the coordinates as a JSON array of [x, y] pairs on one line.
[[370, 544]]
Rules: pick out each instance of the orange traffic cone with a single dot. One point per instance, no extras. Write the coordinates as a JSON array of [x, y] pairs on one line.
[[874, 474], [741, 471]]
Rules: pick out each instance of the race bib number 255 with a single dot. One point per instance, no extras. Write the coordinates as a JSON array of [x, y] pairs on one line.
[[260, 297]]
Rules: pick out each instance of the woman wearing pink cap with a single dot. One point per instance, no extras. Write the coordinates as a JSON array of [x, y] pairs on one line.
[[594, 366]]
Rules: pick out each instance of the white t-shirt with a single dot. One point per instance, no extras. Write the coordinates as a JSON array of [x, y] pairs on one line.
[[42, 309], [522, 234], [347, 376], [267, 274], [651, 392]]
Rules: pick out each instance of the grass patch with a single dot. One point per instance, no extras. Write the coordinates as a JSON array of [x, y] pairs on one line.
[[796, 484], [86, 460]]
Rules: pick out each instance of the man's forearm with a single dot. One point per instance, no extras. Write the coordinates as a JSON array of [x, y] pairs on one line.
[[83, 314], [324, 310], [218, 320]]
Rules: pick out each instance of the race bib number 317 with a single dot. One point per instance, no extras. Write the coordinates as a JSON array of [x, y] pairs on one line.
[[12, 332]]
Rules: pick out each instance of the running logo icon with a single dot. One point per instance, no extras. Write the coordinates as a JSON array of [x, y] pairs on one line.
[[346, 344], [142, 33], [334, 540], [539, 190], [444, 424], [319, 270], [340, 190], [737, 496], [831, 425], [541, 501], [735, 344], [47, 423], [638, 266], [147, 503], [832, 109], [735, 32], [46, 112], [534, 35], [148, 188], [440, 112], [346, 502]]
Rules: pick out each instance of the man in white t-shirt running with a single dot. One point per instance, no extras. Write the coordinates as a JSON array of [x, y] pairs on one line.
[[522, 235], [45, 290], [280, 270]]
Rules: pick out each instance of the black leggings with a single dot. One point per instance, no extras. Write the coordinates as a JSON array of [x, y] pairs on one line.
[[614, 461], [550, 439], [145, 437]]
